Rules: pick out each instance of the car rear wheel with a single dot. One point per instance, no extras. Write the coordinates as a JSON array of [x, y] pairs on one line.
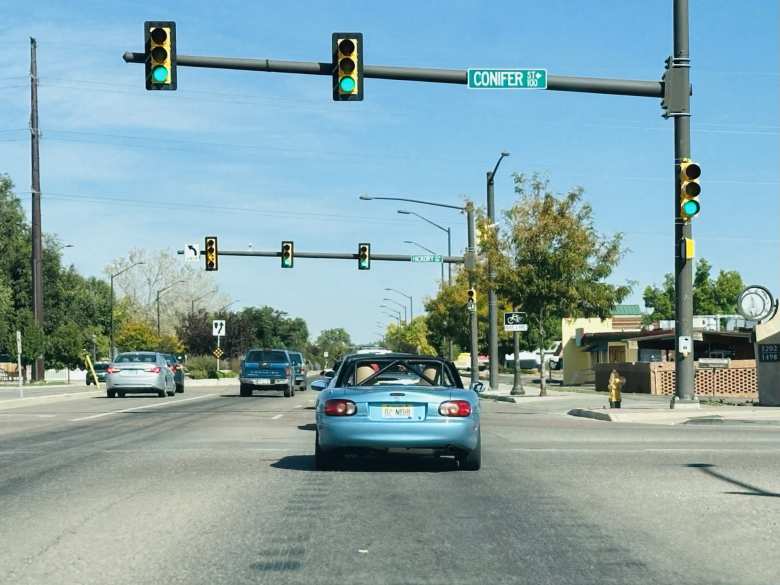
[[111, 394], [161, 393], [121, 395], [472, 460], [179, 388], [171, 392], [323, 461], [288, 392], [246, 390]]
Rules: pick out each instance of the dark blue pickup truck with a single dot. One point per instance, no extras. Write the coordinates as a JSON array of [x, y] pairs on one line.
[[267, 369]]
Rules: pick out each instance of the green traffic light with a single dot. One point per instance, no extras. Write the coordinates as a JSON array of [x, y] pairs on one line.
[[690, 208], [347, 85], [160, 74]]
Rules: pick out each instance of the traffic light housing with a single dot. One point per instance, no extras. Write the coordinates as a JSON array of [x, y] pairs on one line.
[[288, 254], [689, 189], [347, 67], [160, 49], [471, 299], [211, 252], [364, 256]]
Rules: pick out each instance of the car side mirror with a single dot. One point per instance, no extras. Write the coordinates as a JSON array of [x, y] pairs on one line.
[[319, 385], [478, 387]]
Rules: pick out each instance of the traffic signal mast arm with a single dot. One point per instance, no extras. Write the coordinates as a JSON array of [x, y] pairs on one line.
[[332, 255], [639, 88]]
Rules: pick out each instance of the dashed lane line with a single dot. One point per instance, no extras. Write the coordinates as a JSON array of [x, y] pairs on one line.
[[155, 405]]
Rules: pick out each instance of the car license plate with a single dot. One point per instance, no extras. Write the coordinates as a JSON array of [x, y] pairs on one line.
[[264, 381], [396, 411]]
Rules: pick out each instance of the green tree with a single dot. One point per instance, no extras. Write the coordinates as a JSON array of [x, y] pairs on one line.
[[334, 341], [716, 296], [411, 337], [136, 336], [549, 259], [66, 346]]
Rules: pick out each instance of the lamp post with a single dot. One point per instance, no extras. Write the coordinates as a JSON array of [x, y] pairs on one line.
[[390, 311], [193, 301], [111, 310], [411, 302], [492, 312], [402, 305], [446, 230], [159, 292], [471, 263]]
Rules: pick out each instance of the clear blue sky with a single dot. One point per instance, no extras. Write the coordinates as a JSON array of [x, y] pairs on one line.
[[258, 157]]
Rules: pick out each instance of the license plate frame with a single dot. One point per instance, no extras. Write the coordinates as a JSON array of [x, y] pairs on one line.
[[397, 411], [264, 381]]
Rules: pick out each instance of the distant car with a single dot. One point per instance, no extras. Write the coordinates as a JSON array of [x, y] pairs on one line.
[[379, 402], [178, 371], [100, 371], [299, 369], [267, 369], [138, 372]]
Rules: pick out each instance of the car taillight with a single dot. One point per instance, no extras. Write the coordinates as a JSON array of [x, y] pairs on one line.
[[154, 370], [455, 408], [112, 370], [339, 407]]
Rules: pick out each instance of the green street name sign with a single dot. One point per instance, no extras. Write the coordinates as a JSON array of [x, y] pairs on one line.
[[424, 258], [507, 78]]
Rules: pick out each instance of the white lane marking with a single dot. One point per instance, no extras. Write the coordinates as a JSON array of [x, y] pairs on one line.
[[9, 414], [155, 405], [277, 417], [299, 406]]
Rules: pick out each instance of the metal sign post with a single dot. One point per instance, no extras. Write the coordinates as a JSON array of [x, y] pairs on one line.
[[19, 362]]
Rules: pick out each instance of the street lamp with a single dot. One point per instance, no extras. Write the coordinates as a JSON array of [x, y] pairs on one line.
[[430, 252], [492, 309], [193, 301], [111, 309], [159, 292], [411, 303], [471, 253], [442, 228], [392, 312], [403, 305], [226, 306]]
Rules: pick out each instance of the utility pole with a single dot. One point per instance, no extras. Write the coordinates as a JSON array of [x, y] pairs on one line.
[[683, 273], [471, 252], [492, 310], [37, 246]]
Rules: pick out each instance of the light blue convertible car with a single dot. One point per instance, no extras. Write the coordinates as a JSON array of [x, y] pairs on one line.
[[383, 402]]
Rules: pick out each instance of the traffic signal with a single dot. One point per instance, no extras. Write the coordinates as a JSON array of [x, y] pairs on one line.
[[288, 254], [347, 67], [212, 254], [364, 256], [160, 48], [471, 299], [689, 189]]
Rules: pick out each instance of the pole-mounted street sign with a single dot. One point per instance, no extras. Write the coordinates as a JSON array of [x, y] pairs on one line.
[[191, 252], [218, 327], [427, 258], [507, 78], [514, 322]]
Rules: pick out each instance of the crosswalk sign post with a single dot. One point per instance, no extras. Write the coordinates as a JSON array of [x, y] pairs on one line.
[[514, 322], [218, 330]]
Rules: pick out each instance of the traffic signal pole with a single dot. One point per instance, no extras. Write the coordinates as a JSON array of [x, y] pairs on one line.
[[673, 89], [683, 273], [38, 370]]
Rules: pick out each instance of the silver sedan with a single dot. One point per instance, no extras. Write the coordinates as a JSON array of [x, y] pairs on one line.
[[139, 372]]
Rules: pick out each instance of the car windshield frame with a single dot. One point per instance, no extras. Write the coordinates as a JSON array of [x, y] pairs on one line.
[[151, 358], [284, 356], [412, 364]]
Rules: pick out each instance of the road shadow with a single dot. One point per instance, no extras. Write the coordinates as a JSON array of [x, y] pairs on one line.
[[751, 489], [307, 427], [374, 464], [255, 396]]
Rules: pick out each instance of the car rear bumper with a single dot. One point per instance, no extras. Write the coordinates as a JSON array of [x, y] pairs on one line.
[[137, 383], [341, 432]]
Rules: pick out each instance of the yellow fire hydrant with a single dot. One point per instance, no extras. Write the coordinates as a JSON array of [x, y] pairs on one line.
[[616, 382]]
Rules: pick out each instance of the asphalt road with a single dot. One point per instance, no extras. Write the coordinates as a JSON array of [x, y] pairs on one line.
[[210, 488]]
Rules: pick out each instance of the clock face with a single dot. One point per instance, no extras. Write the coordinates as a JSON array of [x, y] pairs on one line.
[[755, 303]]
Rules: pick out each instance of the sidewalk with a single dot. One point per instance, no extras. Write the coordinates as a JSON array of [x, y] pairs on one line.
[[502, 393], [658, 412]]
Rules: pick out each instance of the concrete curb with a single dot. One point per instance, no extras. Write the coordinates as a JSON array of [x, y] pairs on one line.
[[519, 399], [594, 414], [676, 417]]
